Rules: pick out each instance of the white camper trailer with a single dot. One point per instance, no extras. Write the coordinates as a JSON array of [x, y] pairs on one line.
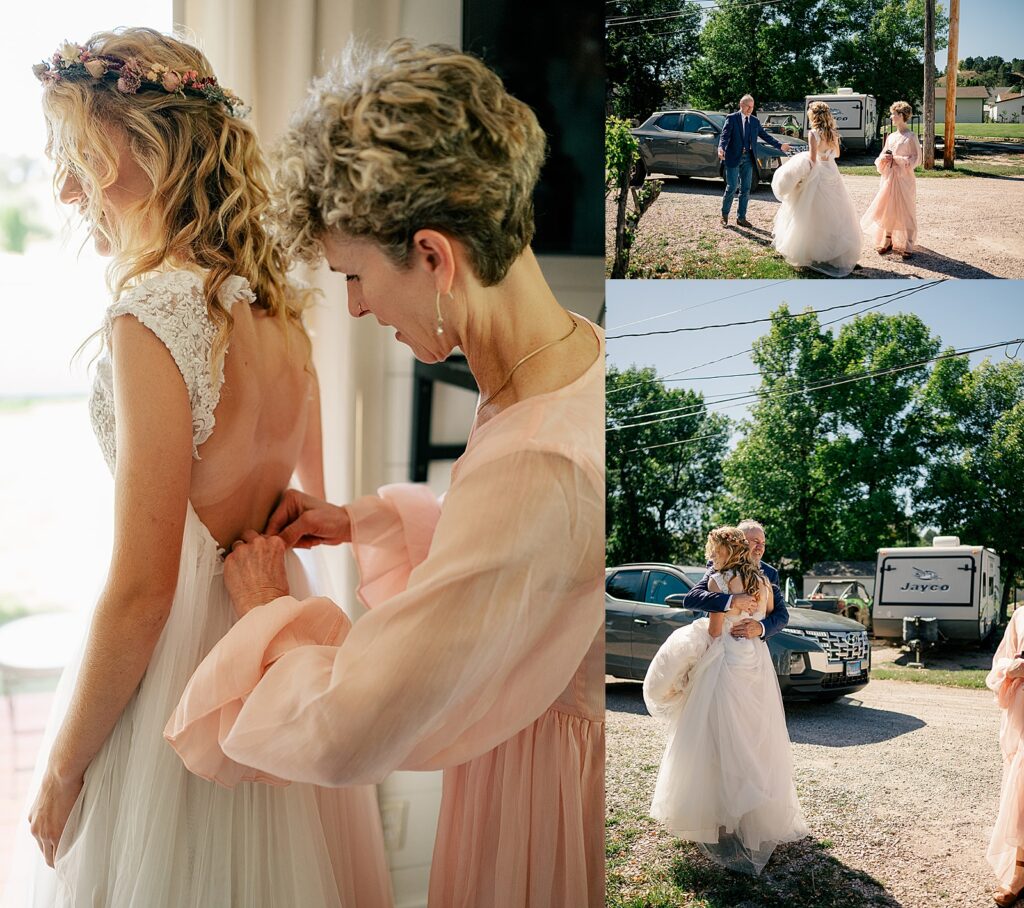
[[856, 117], [957, 584]]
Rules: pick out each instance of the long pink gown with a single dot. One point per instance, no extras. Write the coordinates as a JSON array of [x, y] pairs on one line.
[[1008, 833], [893, 211], [482, 654]]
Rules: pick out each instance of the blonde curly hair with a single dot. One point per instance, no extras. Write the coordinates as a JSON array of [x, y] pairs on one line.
[[738, 557], [395, 140], [822, 120], [209, 197], [902, 108]]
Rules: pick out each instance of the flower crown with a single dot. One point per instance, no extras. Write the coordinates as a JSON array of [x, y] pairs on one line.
[[73, 63]]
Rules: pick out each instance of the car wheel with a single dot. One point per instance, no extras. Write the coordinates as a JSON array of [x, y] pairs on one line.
[[639, 174]]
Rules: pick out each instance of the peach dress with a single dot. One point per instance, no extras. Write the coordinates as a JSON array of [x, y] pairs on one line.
[[482, 654], [1008, 833], [893, 211]]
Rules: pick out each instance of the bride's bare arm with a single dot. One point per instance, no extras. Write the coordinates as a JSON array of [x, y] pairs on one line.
[[812, 144], [716, 620], [151, 487]]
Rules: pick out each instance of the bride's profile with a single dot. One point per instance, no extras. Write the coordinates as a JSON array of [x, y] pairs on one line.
[[816, 226], [205, 406]]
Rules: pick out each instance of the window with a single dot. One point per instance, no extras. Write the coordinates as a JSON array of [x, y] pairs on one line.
[[625, 585], [661, 585], [693, 122], [669, 121]]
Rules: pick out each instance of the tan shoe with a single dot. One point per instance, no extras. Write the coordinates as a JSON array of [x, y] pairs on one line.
[[725, 221], [1007, 897]]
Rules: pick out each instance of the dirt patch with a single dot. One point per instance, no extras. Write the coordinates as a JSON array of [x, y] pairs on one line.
[[969, 228], [899, 785]]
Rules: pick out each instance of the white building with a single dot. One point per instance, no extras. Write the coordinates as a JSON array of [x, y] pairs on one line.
[[1006, 108], [970, 103]]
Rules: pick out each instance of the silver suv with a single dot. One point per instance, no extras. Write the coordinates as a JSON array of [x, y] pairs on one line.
[[684, 143]]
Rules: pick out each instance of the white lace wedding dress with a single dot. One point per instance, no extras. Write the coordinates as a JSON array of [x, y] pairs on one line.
[[145, 832], [726, 777], [816, 226]]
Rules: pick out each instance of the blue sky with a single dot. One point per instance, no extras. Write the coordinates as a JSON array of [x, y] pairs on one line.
[[987, 28], [962, 313]]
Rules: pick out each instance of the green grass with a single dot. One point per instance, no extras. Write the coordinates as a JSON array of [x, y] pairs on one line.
[[704, 262], [972, 678], [983, 130], [968, 169]]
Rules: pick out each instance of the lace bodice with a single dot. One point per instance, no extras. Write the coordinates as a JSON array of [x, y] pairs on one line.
[[722, 579], [173, 307], [825, 152]]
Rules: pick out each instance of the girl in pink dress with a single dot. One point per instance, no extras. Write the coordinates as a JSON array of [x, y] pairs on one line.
[[892, 215], [1006, 850], [412, 172]]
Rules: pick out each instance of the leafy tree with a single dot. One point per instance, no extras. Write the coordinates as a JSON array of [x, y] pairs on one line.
[[646, 63], [621, 153], [659, 497], [777, 473], [879, 48], [772, 52], [975, 440], [876, 454]]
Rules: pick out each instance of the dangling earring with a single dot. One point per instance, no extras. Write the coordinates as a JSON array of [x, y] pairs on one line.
[[440, 318]]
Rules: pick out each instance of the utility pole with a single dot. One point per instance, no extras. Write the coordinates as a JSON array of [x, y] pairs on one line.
[[952, 70], [929, 85]]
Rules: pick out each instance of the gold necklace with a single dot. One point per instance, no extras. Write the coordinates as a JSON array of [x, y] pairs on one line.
[[512, 372]]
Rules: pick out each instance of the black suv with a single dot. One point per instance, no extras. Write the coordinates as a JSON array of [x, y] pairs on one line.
[[819, 655]]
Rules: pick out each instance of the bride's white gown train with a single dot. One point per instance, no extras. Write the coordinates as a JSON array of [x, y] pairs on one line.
[[817, 225], [145, 832], [726, 777]]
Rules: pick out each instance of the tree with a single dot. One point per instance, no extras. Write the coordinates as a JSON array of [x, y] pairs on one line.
[[659, 497], [975, 440], [646, 62], [879, 47], [621, 153], [877, 452], [771, 51], [777, 473]]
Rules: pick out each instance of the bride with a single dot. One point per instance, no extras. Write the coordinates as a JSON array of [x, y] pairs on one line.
[[816, 226], [726, 778], [204, 405]]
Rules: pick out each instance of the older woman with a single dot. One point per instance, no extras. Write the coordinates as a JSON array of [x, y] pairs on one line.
[[412, 170], [1006, 850], [892, 214]]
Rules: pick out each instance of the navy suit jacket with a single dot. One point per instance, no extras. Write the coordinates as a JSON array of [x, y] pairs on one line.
[[701, 599], [733, 142]]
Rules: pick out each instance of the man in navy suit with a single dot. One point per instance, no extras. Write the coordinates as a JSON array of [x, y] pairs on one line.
[[700, 598], [736, 147]]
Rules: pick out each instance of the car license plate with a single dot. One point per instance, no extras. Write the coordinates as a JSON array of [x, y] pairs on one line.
[[853, 668]]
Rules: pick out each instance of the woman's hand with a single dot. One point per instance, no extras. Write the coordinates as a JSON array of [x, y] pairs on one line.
[[50, 812], [254, 572], [302, 521], [1016, 669]]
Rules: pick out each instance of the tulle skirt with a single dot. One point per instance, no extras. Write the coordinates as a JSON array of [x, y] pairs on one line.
[[1008, 832], [726, 777], [893, 211], [146, 833], [816, 226]]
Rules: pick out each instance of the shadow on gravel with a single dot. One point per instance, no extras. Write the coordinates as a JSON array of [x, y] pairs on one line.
[[844, 723], [927, 262], [802, 874]]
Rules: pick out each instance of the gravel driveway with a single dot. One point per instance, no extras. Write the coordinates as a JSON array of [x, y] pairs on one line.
[[969, 228], [899, 785]]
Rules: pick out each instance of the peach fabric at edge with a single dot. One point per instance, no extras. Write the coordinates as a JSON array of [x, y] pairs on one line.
[[482, 654]]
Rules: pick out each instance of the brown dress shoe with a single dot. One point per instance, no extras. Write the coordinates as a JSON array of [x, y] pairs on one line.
[[743, 222], [725, 221]]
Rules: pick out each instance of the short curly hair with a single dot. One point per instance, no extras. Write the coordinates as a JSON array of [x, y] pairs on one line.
[[902, 108], [392, 141]]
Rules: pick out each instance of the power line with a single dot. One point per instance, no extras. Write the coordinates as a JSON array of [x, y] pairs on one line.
[[673, 444], [720, 299], [722, 359], [771, 318], [819, 387], [635, 20]]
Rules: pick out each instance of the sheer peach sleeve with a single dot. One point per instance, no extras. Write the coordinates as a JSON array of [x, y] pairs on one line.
[[1005, 660], [487, 631]]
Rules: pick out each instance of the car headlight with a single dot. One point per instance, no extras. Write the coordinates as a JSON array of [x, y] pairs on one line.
[[797, 663]]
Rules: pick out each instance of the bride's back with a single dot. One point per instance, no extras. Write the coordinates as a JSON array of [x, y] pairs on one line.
[[261, 420]]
